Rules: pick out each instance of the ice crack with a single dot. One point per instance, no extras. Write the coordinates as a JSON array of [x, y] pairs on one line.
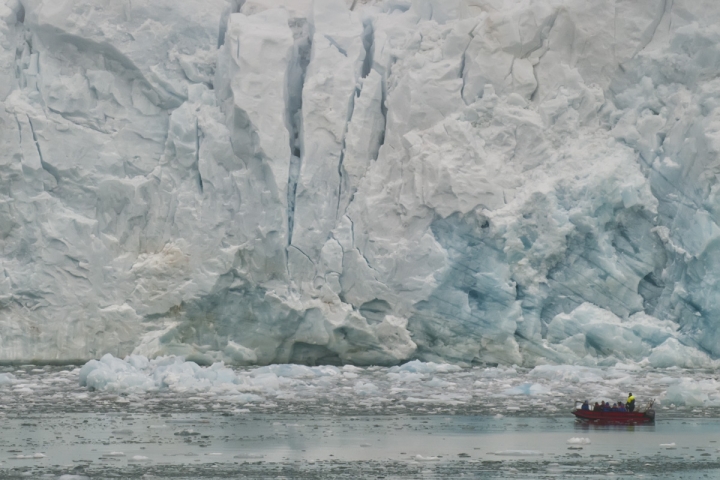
[[336, 45], [197, 155], [297, 71], [46, 166], [369, 45]]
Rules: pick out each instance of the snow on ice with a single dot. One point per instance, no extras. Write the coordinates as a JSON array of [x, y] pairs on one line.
[[255, 182]]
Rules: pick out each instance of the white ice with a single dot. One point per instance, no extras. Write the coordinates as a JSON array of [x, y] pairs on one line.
[[579, 441], [472, 182], [419, 386]]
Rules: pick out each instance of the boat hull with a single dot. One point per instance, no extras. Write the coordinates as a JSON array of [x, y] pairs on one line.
[[615, 417]]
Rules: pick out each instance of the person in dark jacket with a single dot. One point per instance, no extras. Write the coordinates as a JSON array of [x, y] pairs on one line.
[[585, 406], [597, 408]]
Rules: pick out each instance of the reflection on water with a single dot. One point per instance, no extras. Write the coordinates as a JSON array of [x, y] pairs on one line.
[[614, 426]]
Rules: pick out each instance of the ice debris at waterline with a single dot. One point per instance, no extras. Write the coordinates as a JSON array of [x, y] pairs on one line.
[[519, 453], [362, 182], [413, 387], [579, 441]]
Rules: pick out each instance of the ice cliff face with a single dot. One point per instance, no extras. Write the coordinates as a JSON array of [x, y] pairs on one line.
[[331, 181]]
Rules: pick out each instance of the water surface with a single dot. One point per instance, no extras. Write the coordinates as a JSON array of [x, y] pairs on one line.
[[191, 445]]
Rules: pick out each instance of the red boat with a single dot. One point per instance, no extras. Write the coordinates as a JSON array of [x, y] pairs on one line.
[[643, 416]]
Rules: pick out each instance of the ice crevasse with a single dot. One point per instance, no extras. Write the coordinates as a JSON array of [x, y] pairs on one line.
[[360, 182]]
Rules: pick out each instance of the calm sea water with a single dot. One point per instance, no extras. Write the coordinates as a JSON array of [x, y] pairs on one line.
[[248, 445]]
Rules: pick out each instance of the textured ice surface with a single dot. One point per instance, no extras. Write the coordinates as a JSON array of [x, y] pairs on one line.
[[416, 387], [170, 385], [360, 182]]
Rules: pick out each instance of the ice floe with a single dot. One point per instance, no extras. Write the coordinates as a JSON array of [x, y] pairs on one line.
[[579, 441]]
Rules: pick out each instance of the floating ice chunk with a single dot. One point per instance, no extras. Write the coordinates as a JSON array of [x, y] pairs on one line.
[[296, 371], [7, 378], [495, 372], [249, 455], [629, 367], [137, 374], [365, 388], [111, 373], [579, 441], [668, 446], [436, 382], [244, 398], [568, 373], [138, 361], [266, 382], [416, 366], [519, 453], [528, 389], [214, 454], [29, 457], [73, 477], [421, 458], [405, 377], [124, 431], [138, 458], [113, 454]]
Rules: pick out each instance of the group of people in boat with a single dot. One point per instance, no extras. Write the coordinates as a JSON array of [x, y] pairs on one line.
[[628, 406]]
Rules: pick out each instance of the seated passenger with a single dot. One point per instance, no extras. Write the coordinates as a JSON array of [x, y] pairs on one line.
[[605, 407], [621, 407], [585, 405], [597, 408]]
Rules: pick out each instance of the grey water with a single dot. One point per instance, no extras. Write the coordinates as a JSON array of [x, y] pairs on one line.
[[69, 445]]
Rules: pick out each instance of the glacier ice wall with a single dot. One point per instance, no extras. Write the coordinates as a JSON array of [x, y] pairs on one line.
[[361, 181]]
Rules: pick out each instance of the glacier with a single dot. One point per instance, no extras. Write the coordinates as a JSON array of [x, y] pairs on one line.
[[365, 182]]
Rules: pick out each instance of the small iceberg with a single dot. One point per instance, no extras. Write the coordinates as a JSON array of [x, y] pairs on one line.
[[579, 441], [421, 458]]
